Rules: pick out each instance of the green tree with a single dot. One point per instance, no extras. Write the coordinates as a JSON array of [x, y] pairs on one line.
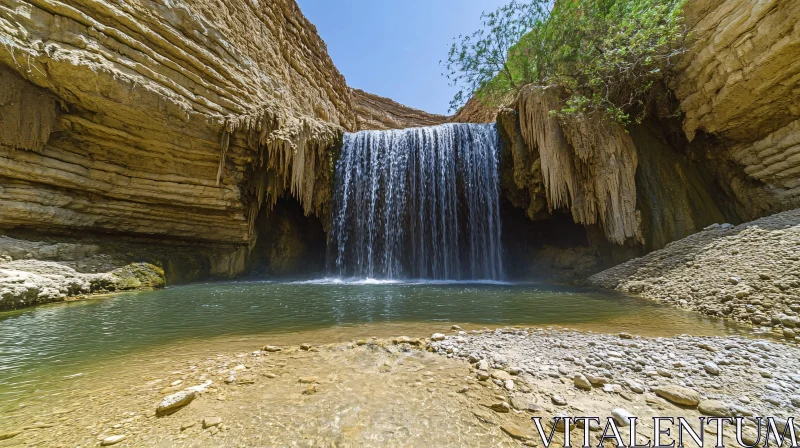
[[615, 57]]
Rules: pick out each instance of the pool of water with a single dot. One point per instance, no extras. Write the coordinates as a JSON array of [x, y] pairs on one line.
[[44, 347]]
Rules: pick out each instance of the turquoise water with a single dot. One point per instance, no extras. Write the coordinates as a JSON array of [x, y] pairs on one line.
[[42, 346]]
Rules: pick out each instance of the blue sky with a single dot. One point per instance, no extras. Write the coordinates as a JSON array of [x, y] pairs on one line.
[[393, 47]]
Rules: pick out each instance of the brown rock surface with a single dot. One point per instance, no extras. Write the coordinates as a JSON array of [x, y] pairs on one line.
[[173, 119], [377, 113]]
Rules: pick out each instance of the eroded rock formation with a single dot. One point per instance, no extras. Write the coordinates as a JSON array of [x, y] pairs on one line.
[[740, 82], [378, 113], [177, 120]]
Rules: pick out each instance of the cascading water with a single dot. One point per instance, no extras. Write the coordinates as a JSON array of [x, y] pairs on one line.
[[418, 203]]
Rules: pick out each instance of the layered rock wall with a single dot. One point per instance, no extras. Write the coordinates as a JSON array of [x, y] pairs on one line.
[[162, 118], [378, 113], [740, 82]]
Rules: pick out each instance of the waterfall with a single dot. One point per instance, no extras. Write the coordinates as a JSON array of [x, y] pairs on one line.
[[418, 203]]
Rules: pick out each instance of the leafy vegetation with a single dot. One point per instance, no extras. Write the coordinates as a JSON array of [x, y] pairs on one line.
[[614, 57]]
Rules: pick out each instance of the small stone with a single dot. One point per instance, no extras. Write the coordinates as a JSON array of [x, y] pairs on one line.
[[500, 407], [509, 385], [482, 375], [624, 335], [711, 368], [788, 333], [765, 374], [209, 422], [678, 395], [621, 416], [501, 375], [308, 380], [271, 348], [112, 440], [270, 375], [581, 382], [171, 403], [455, 328], [463, 389], [310, 390], [438, 337], [714, 408], [187, 425], [558, 400], [664, 372], [305, 347], [795, 399], [635, 387]]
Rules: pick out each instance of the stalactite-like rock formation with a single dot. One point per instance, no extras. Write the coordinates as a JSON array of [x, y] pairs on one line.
[[175, 119], [588, 165]]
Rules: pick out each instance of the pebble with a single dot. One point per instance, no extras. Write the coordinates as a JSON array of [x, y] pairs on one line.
[[271, 348], [509, 385], [711, 368], [678, 395], [172, 403], [209, 422], [307, 346], [581, 382], [112, 440], [558, 400], [438, 337], [621, 416], [635, 387], [714, 408]]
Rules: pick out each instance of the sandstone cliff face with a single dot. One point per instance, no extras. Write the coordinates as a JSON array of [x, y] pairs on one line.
[[741, 83], [378, 113], [178, 119]]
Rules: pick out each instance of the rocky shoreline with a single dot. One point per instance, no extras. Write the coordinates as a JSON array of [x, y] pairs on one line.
[[458, 389], [748, 273]]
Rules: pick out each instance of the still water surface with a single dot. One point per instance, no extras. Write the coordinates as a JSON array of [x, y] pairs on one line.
[[44, 347]]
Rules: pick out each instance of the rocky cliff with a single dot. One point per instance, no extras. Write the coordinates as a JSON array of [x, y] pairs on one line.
[[377, 113], [180, 120]]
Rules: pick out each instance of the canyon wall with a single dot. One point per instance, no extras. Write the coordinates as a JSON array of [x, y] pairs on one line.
[[375, 112], [176, 120]]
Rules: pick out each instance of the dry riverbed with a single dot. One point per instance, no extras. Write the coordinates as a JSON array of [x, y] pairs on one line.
[[477, 388]]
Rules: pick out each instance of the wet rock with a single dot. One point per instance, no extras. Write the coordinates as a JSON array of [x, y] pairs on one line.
[[518, 432], [581, 382], [624, 335], [714, 408], [678, 395], [172, 403], [9, 435], [209, 422], [621, 416], [113, 440]]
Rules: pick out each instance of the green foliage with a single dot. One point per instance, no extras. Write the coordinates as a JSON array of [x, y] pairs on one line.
[[608, 56]]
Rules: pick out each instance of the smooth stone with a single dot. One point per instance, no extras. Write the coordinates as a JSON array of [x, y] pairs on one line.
[[502, 407], [714, 408], [308, 380], [209, 422], [558, 400], [482, 375], [795, 399], [112, 440], [678, 395], [271, 348], [187, 425], [438, 337], [624, 335], [171, 403], [635, 387], [501, 375], [509, 385], [711, 368], [581, 382], [621, 416], [307, 347]]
